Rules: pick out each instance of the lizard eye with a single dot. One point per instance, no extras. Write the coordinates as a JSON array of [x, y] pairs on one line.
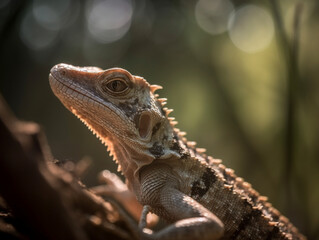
[[115, 86]]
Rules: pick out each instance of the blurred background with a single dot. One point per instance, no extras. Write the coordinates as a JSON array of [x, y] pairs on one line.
[[241, 76]]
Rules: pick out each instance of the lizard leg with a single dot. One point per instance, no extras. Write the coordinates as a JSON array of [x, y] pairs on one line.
[[193, 221], [190, 220], [115, 188]]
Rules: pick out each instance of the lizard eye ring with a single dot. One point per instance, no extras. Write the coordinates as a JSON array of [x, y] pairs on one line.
[[115, 86]]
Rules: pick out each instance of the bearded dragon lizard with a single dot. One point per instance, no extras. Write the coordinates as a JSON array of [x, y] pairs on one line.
[[168, 175]]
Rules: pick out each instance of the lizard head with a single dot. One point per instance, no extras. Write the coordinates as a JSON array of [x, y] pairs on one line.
[[121, 109]]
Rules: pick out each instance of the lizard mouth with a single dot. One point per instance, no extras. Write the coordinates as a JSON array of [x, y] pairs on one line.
[[64, 87], [82, 99], [60, 83]]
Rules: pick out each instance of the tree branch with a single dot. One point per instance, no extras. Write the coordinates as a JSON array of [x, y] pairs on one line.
[[42, 200]]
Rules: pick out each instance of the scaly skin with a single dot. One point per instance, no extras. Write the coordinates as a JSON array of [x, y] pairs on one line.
[[169, 176]]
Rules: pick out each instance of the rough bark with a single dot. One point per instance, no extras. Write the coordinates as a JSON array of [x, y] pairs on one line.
[[41, 200]]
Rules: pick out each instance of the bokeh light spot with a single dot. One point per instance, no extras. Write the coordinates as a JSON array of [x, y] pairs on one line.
[[46, 16], [51, 15], [34, 35], [251, 28], [109, 20], [212, 16]]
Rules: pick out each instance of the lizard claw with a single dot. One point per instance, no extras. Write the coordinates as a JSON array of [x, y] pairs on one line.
[[143, 220]]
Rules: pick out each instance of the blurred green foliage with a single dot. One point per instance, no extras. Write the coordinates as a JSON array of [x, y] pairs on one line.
[[231, 99]]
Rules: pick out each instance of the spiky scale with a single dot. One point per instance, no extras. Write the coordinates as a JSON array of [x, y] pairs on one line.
[[161, 100], [154, 88], [174, 123], [201, 150], [168, 111], [182, 134], [191, 144], [263, 198]]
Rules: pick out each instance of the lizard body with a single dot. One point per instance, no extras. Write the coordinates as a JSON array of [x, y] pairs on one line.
[[177, 181]]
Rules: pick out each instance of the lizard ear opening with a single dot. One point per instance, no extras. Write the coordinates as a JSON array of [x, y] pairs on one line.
[[144, 125]]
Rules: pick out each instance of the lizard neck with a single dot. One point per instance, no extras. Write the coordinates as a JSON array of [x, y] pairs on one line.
[[132, 155], [129, 157]]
